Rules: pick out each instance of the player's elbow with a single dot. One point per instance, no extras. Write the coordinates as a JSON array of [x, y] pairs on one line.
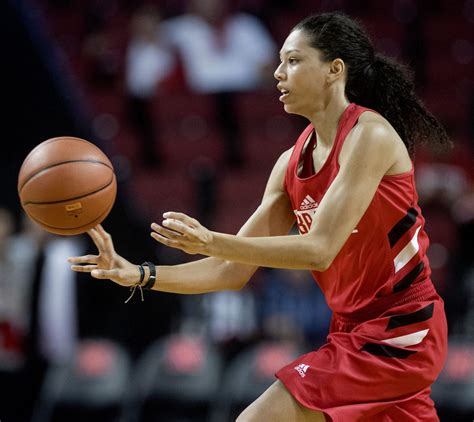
[[321, 258], [238, 285], [325, 263], [319, 264], [234, 276]]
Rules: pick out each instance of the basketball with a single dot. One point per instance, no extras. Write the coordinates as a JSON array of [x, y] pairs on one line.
[[67, 185]]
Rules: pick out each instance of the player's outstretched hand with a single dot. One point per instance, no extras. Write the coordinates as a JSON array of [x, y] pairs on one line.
[[108, 264], [183, 232]]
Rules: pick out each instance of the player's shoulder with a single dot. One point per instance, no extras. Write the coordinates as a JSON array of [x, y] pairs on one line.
[[372, 139], [372, 123], [373, 131], [287, 153], [284, 158]]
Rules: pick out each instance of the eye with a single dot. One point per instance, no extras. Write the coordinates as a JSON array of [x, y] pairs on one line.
[[292, 60]]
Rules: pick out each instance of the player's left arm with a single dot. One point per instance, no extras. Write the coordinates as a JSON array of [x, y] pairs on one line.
[[370, 151]]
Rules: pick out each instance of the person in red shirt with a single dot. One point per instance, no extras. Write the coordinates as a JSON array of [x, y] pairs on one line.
[[348, 184]]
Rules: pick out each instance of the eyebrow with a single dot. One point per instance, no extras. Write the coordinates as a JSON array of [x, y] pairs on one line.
[[293, 50]]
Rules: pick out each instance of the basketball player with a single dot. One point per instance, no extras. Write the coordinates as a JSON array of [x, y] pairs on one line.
[[348, 183]]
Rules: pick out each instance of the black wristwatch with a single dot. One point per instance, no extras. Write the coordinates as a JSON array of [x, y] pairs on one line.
[[151, 280]]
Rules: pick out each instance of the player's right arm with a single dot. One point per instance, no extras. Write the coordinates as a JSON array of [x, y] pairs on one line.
[[273, 217]]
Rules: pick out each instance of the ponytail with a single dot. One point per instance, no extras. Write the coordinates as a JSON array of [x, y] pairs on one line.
[[388, 87], [374, 80]]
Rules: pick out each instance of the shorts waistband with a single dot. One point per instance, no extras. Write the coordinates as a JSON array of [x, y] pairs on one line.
[[419, 292]]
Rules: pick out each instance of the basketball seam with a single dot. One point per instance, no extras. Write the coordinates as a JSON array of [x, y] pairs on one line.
[[59, 164], [70, 199]]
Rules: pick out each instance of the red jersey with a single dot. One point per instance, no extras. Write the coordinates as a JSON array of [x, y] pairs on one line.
[[386, 252], [388, 336]]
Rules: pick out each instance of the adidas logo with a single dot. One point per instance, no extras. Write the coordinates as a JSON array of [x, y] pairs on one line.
[[302, 368], [308, 203]]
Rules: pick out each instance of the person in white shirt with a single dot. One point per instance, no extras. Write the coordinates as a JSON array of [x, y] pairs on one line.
[[148, 62], [222, 52]]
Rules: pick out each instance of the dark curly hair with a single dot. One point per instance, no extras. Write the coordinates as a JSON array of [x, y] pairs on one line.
[[374, 80]]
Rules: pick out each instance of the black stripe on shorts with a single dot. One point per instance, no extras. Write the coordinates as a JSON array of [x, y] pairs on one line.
[[387, 351], [409, 278], [399, 229], [412, 318]]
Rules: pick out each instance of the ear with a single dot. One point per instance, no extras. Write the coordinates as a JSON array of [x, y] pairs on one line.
[[337, 68]]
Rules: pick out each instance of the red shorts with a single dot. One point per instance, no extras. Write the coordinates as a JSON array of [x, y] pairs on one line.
[[377, 370]]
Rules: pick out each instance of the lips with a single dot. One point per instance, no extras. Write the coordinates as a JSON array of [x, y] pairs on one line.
[[284, 93]]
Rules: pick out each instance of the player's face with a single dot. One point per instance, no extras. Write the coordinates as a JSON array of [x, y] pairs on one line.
[[301, 76]]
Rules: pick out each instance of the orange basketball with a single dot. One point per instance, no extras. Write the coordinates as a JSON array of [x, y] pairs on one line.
[[67, 185]]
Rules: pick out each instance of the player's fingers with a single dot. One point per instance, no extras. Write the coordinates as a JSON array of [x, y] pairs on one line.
[[106, 238], [85, 259], [105, 274], [181, 217], [177, 226], [96, 238], [83, 268], [170, 234], [167, 242]]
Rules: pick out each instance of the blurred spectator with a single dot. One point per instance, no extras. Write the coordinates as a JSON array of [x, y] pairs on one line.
[[42, 308], [13, 292], [13, 321], [292, 308], [52, 332], [213, 44], [148, 62]]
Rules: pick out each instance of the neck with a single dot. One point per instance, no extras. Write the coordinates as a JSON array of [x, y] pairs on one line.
[[326, 120]]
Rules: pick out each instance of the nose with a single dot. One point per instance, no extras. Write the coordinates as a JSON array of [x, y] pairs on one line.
[[279, 75]]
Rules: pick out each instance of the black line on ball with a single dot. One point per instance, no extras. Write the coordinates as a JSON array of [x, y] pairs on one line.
[[60, 164], [70, 199]]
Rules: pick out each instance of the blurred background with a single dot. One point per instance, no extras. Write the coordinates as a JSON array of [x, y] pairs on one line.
[[180, 95]]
